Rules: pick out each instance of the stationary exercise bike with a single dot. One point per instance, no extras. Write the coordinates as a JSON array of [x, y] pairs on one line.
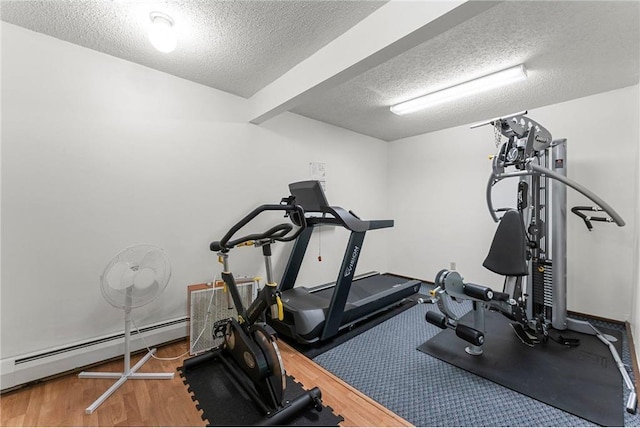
[[534, 292], [249, 350]]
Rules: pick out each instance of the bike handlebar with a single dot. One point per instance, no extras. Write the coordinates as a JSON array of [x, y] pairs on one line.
[[276, 233]]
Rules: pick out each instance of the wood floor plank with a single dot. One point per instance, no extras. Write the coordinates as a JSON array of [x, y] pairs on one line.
[[17, 421], [32, 413], [152, 402], [356, 408], [13, 407]]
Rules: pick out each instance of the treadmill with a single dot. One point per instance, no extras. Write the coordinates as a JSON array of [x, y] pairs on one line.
[[319, 313]]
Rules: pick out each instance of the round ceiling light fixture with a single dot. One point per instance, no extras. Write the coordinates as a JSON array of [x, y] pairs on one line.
[[161, 32]]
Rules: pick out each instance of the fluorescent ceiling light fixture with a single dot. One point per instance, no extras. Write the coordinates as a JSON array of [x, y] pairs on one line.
[[161, 32], [472, 87]]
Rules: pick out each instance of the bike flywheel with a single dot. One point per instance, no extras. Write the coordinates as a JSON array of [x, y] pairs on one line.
[[275, 381]]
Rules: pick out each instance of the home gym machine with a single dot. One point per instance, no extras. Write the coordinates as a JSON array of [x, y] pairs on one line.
[[319, 313], [529, 252], [249, 351]]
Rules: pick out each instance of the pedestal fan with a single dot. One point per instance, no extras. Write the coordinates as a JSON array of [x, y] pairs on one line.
[[135, 277]]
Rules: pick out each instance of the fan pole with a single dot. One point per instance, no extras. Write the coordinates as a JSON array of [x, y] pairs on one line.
[[129, 373], [127, 332], [127, 337]]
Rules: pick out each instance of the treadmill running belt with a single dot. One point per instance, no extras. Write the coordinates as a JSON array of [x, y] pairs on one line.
[[366, 287], [313, 350]]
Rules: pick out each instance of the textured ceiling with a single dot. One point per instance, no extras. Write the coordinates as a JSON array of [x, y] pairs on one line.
[[235, 46], [571, 49]]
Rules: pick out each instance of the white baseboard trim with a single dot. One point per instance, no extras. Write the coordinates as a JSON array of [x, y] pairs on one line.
[[22, 369]]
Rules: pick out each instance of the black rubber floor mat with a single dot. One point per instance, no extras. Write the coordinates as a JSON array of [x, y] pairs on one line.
[[582, 380], [313, 350], [223, 403]]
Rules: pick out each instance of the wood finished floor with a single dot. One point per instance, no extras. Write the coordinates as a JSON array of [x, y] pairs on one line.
[[62, 401]]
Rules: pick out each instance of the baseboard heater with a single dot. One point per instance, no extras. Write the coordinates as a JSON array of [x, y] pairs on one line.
[[23, 369]]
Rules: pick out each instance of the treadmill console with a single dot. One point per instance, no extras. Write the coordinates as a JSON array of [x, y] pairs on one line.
[[309, 195]]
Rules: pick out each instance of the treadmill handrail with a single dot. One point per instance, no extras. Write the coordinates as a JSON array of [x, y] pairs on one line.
[[347, 220]]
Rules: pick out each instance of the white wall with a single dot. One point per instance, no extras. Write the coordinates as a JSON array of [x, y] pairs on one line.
[[437, 185], [635, 298], [100, 153]]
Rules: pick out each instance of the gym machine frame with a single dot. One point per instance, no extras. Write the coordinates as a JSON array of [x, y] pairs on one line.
[[534, 296]]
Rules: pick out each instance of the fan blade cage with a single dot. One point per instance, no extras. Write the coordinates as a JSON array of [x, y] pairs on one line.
[[136, 276]]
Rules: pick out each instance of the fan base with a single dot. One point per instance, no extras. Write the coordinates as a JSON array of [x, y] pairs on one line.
[[122, 378]]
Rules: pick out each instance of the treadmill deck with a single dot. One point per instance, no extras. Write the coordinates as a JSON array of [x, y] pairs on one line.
[[306, 308]]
